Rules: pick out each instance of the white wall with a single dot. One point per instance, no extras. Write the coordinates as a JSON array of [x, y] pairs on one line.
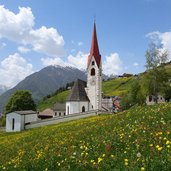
[[94, 85], [57, 113], [76, 107], [107, 103], [19, 121], [160, 99], [30, 118], [17, 124]]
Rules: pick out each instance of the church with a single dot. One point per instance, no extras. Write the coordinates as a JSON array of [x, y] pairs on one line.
[[87, 96]]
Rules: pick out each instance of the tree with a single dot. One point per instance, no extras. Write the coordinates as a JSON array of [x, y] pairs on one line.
[[156, 76], [20, 100], [134, 96]]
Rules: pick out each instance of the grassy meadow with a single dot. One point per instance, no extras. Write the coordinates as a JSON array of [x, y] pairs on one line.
[[137, 139], [49, 103]]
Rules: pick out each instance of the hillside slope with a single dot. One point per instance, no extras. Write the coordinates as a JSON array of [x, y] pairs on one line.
[[137, 139], [45, 82], [114, 87]]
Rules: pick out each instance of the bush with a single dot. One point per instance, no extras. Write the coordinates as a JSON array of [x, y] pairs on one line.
[[2, 121]]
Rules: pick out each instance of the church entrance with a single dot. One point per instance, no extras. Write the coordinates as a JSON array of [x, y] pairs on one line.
[[83, 109]]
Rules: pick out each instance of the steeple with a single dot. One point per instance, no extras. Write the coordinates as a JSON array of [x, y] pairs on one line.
[[94, 51]]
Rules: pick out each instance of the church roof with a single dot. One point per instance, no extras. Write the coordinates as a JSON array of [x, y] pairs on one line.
[[94, 51], [59, 106], [78, 92]]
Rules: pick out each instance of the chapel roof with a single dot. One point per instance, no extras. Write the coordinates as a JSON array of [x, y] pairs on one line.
[[25, 112], [78, 92]]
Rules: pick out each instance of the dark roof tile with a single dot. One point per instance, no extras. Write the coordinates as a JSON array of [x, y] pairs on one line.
[[78, 92]]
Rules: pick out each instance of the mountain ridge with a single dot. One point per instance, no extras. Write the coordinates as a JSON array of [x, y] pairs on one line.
[[44, 82]]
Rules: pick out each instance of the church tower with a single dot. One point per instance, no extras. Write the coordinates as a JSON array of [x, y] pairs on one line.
[[94, 74]]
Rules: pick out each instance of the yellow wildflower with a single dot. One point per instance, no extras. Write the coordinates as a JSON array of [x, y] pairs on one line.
[[168, 146], [112, 155], [142, 168], [92, 161], [167, 142], [126, 160], [160, 148], [157, 146], [126, 163], [99, 160]]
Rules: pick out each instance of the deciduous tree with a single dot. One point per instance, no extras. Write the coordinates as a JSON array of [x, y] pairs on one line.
[[20, 100]]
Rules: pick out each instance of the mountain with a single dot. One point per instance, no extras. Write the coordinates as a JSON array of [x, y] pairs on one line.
[[44, 82], [3, 89]]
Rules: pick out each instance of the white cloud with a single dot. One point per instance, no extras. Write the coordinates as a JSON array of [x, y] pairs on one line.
[[47, 40], [13, 69], [80, 43], [23, 49], [15, 26], [53, 61], [19, 28], [163, 38], [79, 61], [135, 64], [112, 64]]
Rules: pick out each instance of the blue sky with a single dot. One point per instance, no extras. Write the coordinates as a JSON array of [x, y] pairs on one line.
[[59, 32]]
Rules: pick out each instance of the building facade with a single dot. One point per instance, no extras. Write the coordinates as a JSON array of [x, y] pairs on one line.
[[88, 96], [16, 121]]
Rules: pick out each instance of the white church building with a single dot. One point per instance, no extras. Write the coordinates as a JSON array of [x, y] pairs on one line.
[[88, 96]]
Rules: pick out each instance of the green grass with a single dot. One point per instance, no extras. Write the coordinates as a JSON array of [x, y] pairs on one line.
[[114, 87], [117, 87], [137, 139], [49, 103]]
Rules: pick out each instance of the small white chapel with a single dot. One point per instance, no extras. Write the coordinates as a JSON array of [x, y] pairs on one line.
[[88, 96]]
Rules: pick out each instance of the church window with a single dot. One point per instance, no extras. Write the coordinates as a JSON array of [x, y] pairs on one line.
[[92, 72], [59, 113], [83, 109], [92, 63]]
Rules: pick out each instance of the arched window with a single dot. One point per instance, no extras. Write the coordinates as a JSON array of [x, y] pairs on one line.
[[92, 63], [83, 109], [92, 71]]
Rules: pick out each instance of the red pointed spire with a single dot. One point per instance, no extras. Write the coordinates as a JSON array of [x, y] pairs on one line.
[[94, 51]]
